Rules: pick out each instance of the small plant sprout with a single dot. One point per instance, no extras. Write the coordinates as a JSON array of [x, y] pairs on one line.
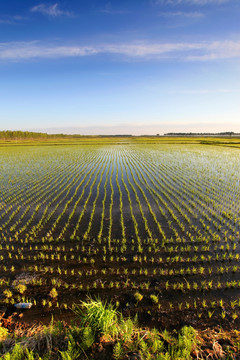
[[53, 293], [21, 288], [210, 314], [138, 296], [154, 299], [8, 293]]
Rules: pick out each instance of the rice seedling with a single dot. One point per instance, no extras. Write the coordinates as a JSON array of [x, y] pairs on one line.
[[159, 216]]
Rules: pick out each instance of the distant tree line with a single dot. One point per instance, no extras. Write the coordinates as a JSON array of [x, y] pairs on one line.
[[21, 135], [15, 135], [226, 133]]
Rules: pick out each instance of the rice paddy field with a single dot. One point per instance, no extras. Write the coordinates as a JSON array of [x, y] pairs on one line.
[[152, 225]]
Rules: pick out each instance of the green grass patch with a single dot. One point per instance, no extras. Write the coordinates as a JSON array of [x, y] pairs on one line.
[[99, 329]]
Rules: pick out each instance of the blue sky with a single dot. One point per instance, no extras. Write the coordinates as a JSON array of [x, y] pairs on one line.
[[136, 66]]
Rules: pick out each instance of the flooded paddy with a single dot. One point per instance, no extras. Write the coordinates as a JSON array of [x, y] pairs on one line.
[[119, 220]]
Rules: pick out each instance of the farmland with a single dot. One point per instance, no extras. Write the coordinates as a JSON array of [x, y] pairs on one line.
[[152, 225]]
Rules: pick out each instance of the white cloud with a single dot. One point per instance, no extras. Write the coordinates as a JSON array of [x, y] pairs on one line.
[[191, 2], [195, 14], [202, 2], [33, 49], [108, 9], [185, 51], [50, 10], [217, 50], [11, 20], [5, 21], [207, 91], [114, 12]]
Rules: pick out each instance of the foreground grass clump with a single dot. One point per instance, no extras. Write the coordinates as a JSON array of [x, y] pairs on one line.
[[99, 332]]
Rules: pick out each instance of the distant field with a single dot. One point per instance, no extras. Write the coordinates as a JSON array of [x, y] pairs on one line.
[[95, 140], [151, 223]]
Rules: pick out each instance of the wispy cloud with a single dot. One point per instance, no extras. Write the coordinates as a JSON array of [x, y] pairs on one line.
[[6, 21], [206, 91], [185, 51], [192, 15], [34, 49], [114, 12], [108, 9], [50, 10], [218, 50], [11, 20], [191, 2]]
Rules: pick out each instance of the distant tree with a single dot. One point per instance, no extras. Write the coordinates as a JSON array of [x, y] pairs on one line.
[[21, 135]]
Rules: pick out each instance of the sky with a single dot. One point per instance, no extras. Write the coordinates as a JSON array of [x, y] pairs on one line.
[[120, 66]]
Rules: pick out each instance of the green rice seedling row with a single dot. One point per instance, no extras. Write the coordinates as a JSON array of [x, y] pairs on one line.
[[153, 227]]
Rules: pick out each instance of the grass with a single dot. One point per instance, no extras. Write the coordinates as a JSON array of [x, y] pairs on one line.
[[99, 329], [97, 315]]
